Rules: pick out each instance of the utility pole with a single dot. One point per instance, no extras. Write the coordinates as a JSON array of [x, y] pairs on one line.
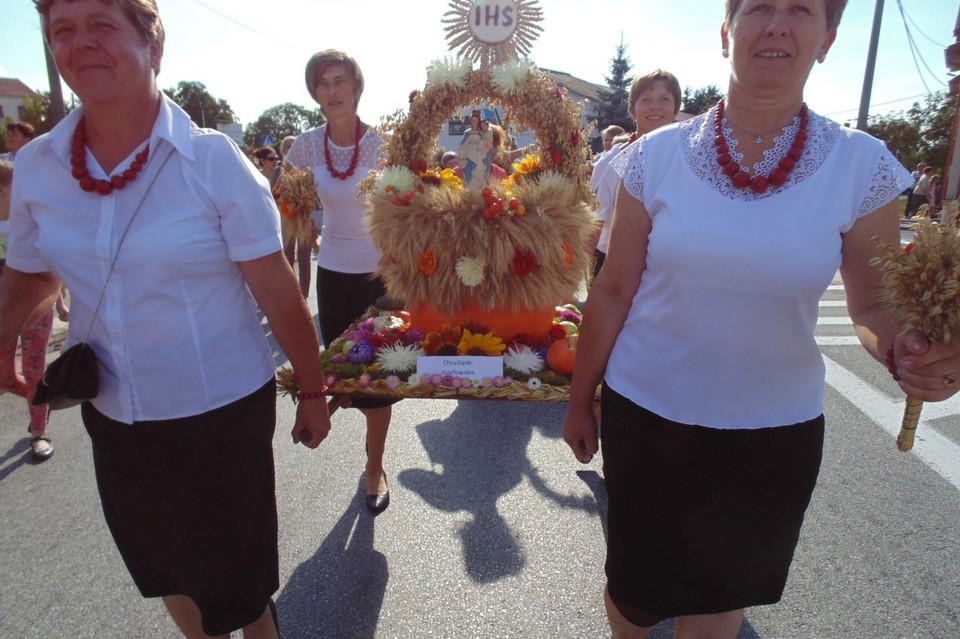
[[57, 110], [951, 172], [871, 64]]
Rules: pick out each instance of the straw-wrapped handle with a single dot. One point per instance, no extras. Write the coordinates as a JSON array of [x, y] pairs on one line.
[[908, 427]]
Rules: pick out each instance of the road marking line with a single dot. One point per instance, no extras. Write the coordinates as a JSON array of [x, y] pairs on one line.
[[835, 321], [936, 451], [838, 340], [832, 303]]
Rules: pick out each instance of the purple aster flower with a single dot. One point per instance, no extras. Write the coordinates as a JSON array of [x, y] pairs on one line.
[[393, 382], [362, 352], [570, 316]]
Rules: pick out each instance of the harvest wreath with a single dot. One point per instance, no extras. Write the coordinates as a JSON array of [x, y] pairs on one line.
[[480, 274], [519, 246]]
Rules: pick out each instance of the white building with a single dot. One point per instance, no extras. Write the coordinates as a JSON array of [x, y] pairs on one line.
[[13, 94]]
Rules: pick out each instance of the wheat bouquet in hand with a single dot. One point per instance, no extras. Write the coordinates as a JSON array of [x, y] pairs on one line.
[[922, 287]]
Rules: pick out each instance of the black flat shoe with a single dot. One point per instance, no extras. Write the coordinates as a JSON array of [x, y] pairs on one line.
[[43, 454], [376, 504]]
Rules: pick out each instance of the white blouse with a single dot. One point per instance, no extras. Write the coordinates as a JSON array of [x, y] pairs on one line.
[[345, 243], [178, 333], [721, 329]]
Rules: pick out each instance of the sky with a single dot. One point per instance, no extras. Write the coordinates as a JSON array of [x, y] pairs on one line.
[[252, 53]]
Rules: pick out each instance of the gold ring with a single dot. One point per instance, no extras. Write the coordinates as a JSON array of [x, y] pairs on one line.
[[948, 381]]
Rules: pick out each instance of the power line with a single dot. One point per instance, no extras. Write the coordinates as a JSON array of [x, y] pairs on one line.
[[915, 51], [920, 31], [244, 26], [913, 97]]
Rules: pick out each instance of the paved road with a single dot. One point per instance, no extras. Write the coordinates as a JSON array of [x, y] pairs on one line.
[[495, 531]]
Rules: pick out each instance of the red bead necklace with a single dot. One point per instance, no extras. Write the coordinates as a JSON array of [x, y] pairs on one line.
[[78, 165], [758, 183], [353, 160]]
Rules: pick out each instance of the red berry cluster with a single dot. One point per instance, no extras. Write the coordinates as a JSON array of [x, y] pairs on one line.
[[758, 183], [496, 204], [78, 165]]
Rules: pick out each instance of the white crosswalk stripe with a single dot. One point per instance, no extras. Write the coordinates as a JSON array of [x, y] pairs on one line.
[[937, 451]]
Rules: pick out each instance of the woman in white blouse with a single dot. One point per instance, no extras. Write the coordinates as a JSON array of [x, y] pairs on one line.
[[340, 153], [727, 230], [168, 240]]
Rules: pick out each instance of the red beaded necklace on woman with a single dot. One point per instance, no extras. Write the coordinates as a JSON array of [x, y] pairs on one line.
[[353, 160], [758, 183], [78, 165]]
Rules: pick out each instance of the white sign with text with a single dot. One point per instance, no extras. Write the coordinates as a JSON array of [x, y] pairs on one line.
[[469, 367]]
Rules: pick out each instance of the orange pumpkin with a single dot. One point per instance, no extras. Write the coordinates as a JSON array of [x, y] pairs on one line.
[[562, 354], [505, 324]]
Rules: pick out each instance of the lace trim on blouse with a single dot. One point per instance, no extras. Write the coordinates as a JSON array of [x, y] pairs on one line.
[[697, 137], [307, 152]]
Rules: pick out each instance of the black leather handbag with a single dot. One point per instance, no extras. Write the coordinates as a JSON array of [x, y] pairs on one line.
[[71, 379]]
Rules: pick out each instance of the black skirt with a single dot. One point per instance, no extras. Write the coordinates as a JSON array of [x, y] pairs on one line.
[[191, 504], [701, 520], [342, 298]]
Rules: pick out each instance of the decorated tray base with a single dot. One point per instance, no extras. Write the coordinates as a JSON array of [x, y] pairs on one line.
[[383, 355]]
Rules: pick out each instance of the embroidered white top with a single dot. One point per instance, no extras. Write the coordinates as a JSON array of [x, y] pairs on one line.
[[606, 181], [721, 330], [178, 333], [345, 243]]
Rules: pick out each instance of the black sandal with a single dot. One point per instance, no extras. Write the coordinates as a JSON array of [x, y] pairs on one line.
[[42, 454]]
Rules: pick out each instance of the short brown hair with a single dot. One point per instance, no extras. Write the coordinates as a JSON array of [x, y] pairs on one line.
[[142, 14], [834, 11], [322, 60], [6, 173], [642, 83], [24, 128]]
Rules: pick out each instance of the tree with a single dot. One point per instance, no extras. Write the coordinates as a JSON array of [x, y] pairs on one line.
[[204, 109], [920, 134], [280, 121], [697, 101], [613, 107]]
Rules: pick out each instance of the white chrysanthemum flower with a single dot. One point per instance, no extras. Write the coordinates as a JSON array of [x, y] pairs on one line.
[[534, 383], [470, 270], [509, 78], [386, 322], [400, 178], [397, 358], [522, 359], [449, 71], [413, 380]]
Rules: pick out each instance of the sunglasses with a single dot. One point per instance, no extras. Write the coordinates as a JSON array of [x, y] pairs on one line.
[[272, 158]]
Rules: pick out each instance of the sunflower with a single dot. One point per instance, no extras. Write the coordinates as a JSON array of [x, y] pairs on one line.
[[528, 165], [483, 344], [444, 342]]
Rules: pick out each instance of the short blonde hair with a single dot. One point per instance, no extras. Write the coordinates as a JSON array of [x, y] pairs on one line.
[[642, 83], [323, 60]]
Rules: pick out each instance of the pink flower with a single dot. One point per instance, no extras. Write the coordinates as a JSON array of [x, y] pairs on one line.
[[393, 382], [364, 380]]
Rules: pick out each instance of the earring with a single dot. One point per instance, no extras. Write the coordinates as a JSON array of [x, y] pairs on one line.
[[725, 53]]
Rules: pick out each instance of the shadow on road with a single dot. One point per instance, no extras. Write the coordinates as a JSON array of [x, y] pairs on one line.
[[479, 465], [16, 456], [338, 592]]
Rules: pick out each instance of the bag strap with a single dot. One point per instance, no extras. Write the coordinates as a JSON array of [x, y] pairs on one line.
[[123, 236]]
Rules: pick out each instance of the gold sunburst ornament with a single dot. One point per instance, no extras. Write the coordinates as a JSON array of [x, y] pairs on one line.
[[492, 31]]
